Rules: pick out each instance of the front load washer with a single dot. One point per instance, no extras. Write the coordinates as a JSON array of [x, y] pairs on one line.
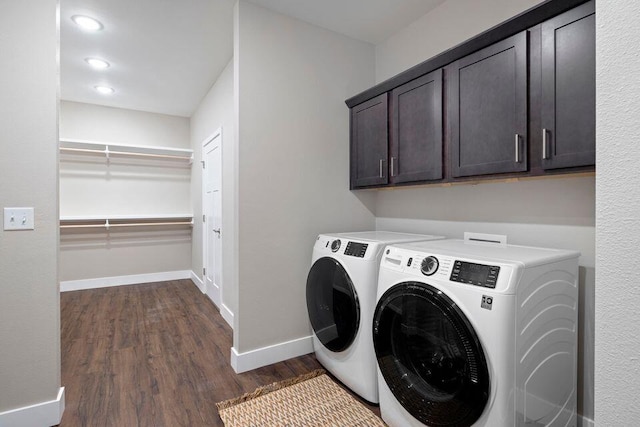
[[476, 334], [341, 296]]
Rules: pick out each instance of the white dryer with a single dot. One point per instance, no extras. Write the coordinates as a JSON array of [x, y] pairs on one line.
[[477, 334], [341, 296]]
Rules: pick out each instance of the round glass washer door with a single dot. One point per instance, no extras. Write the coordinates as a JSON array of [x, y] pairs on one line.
[[430, 356], [332, 304]]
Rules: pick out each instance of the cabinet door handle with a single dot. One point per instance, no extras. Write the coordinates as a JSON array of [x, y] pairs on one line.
[[392, 160], [381, 171], [545, 155], [517, 140]]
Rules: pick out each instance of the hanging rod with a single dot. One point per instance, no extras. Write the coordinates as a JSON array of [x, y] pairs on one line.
[[132, 222], [107, 225], [125, 153], [108, 149]]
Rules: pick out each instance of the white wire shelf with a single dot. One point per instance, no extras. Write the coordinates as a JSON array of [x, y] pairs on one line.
[[109, 150], [123, 221]]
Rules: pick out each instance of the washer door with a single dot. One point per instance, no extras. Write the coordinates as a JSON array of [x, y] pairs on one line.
[[333, 305], [430, 356]]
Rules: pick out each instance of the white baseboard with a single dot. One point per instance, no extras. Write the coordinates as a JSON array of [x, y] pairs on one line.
[[243, 362], [585, 422], [227, 315], [198, 282], [134, 279], [43, 414]]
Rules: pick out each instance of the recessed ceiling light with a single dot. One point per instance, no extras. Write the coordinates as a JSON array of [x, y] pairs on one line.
[[87, 23], [98, 64], [105, 90]]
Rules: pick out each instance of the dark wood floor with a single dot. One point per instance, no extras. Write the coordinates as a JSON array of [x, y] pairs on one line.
[[152, 355]]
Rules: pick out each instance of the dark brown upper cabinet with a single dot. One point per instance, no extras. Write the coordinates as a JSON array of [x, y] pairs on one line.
[[369, 143], [416, 138], [516, 100], [487, 110], [568, 106]]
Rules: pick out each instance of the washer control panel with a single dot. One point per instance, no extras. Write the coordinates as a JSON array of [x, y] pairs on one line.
[[429, 265], [475, 274], [356, 249]]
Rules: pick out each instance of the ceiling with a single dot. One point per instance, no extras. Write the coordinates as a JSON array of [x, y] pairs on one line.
[[166, 54]]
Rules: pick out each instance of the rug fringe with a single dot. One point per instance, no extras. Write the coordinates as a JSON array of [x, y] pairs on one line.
[[261, 391]]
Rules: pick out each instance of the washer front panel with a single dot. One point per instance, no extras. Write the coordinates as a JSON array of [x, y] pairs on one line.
[[332, 303], [430, 356]]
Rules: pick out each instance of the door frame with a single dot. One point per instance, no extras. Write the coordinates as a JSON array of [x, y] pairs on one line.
[[205, 143]]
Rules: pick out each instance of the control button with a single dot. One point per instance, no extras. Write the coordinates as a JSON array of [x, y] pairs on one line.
[[429, 265], [409, 262], [335, 245]]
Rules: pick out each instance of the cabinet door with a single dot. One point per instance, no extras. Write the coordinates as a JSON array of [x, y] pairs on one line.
[[369, 143], [568, 89], [487, 109], [416, 137]]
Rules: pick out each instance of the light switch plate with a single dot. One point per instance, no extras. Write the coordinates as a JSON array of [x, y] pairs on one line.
[[18, 219]]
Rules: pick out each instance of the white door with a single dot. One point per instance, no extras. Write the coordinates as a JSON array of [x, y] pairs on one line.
[[212, 216]]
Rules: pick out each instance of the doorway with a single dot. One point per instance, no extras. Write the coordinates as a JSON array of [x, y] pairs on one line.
[[212, 217]]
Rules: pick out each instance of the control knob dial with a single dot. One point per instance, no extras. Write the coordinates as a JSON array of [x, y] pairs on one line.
[[335, 245], [429, 265]]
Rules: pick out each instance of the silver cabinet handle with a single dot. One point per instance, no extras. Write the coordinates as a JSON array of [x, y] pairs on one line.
[[517, 148], [545, 155], [392, 160], [381, 172]]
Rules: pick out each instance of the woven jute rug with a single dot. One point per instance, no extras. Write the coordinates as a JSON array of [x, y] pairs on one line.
[[306, 401]]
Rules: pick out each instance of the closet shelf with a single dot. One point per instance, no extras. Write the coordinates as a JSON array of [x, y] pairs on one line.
[[122, 221], [107, 149]]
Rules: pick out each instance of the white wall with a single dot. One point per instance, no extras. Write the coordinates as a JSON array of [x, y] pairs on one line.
[[121, 126], [29, 298], [617, 374], [91, 186], [293, 163], [216, 110], [448, 25], [556, 212]]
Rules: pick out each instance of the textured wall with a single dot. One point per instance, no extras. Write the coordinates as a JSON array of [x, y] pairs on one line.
[[617, 374], [29, 297]]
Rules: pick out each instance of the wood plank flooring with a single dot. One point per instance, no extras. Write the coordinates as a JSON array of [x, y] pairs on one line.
[[153, 355]]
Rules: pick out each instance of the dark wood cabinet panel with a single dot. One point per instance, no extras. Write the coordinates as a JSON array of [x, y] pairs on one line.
[[487, 110], [517, 100], [568, 107], [416, 136], [369, 143]]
